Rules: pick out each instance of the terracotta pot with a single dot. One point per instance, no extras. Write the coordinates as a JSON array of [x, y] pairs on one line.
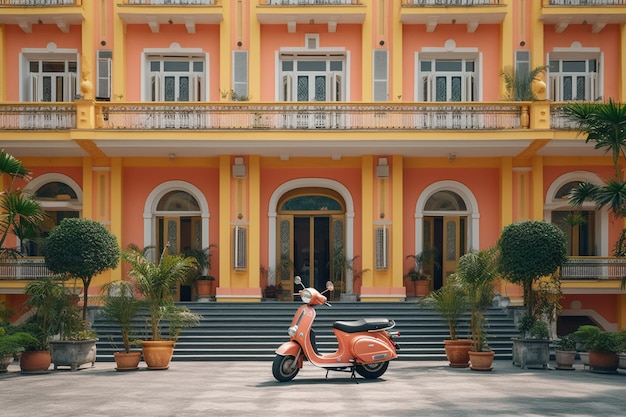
[[35, 361], [204, 288], [421, 288], [605, 362], [457, 352], [127, 361], [565, 359], [157, 354], [481, 361]]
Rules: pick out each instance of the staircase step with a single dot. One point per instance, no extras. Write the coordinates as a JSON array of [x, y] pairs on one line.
[[253, 331]]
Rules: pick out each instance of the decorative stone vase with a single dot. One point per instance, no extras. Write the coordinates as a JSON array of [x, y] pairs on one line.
[[565, 359], [157, 354], [73, 353], [481, 361], [603, 362], [127, 361], [32, 362], [5, 361], [457, 352], [531, 353]]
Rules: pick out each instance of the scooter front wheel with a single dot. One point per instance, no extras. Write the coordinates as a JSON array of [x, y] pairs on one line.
[[372, 370], [285, 368]]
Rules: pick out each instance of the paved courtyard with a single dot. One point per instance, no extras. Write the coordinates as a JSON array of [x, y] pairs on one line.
[[248, 389]]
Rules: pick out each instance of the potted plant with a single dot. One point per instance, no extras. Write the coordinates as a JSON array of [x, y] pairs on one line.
[[155, 281], [416, 274], [202, 282], [604, 347], [477, 273], [565, 353], [450, 302], [529, 251], [12, 343], [121, 306]]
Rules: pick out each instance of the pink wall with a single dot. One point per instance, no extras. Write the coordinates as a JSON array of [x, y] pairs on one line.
[[274, 37], [41, 36], [607, 40], [139, 37], [486, 39], [606, 305]]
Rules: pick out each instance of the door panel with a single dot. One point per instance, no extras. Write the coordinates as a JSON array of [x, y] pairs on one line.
[[452, 245], [285, 261]]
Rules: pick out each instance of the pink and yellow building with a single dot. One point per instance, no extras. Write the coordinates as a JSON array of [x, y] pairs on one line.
[[287, 134]]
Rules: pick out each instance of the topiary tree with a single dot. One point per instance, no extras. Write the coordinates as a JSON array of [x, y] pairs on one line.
[[81, 248], [530, 250]]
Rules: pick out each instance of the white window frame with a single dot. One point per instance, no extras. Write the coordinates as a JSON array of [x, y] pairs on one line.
[[30, 83], [103, 74], [198, 81], [448, 52], [594, 83]]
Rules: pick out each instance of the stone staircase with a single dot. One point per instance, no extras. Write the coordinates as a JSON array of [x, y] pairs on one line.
[[252, 331]]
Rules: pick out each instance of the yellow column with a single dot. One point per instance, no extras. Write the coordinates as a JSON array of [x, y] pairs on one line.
[[254, 230], [254, 55], [506, 42], [367, 246], [506, 191], [88, 193], [621, 312], [537, 56], [621, 83], [118, 80], [226, 51], [397, 255], [366, 51], [88, 66], [116, 208], [537, 188], [396, 55], [3, 65], [224, 228]]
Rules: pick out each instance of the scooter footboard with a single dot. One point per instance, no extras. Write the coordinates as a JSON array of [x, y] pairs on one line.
[[368, 349]]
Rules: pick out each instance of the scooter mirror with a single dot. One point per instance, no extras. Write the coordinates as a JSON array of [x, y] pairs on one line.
[[330, 286], [297, 280]]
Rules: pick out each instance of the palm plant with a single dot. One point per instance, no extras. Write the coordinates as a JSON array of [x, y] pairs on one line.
[[519, 85], [121, 305], [476, 273], [20, 211], [450, 302], [155, 281]]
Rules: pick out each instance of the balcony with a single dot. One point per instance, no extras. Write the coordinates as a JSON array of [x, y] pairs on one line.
[[28, 268], [597, 13], [298, 12], [155, 13], [26, 13], [594, 269], [463, 12]]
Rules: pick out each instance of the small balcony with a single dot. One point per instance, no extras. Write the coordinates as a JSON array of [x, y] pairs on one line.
[[26, 13], [594, 268], [24, 269], [299, 12], [596, 13], [155, 13], [471, 13]]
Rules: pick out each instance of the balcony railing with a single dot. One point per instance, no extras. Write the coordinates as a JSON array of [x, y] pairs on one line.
[[586, 2], [557, 118], [309, 2], [38, 116], [431, 116], [172, 2], [40, 2], [448, 3], [24, 269], [594, 268]]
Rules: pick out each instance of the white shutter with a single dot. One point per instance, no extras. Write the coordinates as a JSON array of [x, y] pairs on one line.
[[382, 248], [555, 87], [33, 93], [70, 86], [468, 83], [381, 70], [591, 87], [103, 87], [158, 87], [240, 248], [240, 73]]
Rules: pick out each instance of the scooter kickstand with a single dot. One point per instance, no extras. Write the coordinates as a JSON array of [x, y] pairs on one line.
[[353, 375], [327, 371]]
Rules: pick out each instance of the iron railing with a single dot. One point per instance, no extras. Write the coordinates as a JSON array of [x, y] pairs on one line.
[[29, 268], [593, 268], [448, 3], [586, 2], [38, 116], [40, 2]]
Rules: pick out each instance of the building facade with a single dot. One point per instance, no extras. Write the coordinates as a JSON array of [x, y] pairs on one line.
[[294, 137]]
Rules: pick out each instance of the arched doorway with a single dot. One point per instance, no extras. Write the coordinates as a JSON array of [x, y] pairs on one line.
[[311, 223], [176, 218], [446, 222], [60, 197]]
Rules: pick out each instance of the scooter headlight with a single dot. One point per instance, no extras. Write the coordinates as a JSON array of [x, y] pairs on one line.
[[292, 330], [306, 295]]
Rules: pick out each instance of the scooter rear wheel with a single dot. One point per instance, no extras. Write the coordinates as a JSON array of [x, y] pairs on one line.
[[372, 370], [285, 368]]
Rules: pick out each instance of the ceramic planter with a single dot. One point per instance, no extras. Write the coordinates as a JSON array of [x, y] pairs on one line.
[[457, 352], [73, 353], [157, 354], [603, 362], [481, 361], [565, 359], [127, 361], [35, 361]]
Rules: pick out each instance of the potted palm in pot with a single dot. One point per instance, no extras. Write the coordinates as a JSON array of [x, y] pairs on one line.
[[12, 343], [604, 347], [121, 306], [154, 281], [450, 302], [416, 273], [477, 273]]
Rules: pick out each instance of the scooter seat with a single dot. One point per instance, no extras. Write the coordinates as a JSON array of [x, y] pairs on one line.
[[362, 325]]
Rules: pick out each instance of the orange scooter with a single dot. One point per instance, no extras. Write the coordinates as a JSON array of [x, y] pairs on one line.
[[364, 346]]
